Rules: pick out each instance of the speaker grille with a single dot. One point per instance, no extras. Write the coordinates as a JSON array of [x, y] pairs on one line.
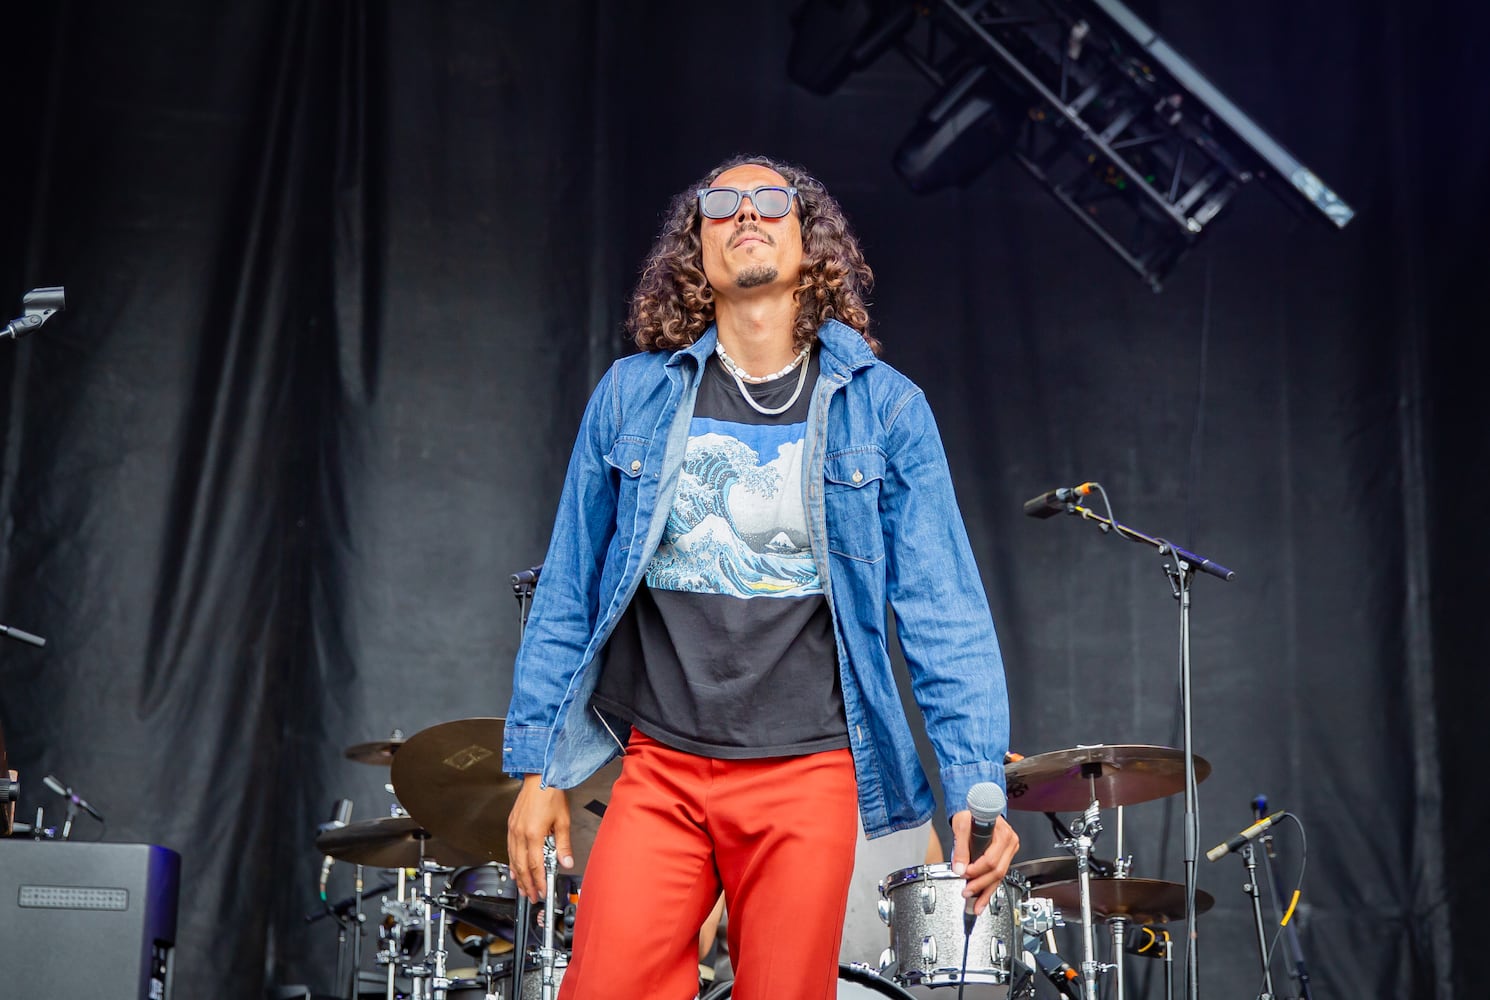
[[63, 897]]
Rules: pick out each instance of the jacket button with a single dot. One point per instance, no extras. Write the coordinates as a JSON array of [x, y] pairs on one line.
[[858, 476], [636, 465]]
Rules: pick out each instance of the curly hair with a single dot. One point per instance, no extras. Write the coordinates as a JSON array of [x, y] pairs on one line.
[[674, 304]]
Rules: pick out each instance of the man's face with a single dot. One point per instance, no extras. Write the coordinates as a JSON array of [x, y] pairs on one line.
[[747, 251]]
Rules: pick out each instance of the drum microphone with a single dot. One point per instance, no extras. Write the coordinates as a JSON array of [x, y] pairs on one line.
[[1056, 501], [67, 793], [1252, 832], [986, 802], [341, 815], [1058, 971]]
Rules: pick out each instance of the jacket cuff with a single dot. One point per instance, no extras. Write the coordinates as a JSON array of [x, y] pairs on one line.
[[959, 779], [523, 749]]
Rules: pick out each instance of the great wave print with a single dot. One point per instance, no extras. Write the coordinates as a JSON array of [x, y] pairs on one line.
[[737, 525]]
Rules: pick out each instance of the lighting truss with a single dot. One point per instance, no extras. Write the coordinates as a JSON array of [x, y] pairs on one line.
[[1114, 122]]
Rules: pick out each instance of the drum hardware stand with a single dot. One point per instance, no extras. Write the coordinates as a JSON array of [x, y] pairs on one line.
[[402, 912], [1085, 830], [433, 966], [1180, 567], [1252, 889], [551, 916]]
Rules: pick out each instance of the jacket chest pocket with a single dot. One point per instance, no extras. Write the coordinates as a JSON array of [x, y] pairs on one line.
[[851, 493], [628, 457]]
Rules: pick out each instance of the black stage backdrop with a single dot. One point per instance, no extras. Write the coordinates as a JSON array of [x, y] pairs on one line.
[[341, 276]]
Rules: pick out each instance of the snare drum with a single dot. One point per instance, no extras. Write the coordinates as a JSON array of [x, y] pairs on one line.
[[923, 907]]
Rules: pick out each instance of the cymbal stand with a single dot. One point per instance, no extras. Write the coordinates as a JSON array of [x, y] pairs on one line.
[[433, 966], [357, 920], [1251, 888], [394, 937], [1117, 923], [551, 916], [1084, 832]]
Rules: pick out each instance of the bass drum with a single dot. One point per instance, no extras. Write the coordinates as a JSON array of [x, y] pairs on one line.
[[855, 982]]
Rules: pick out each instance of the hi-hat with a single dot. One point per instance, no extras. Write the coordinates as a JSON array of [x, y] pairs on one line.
[[1119, 775], [379, 752], [1141, 900], [1039, 871], [389, 842], [450, 778]]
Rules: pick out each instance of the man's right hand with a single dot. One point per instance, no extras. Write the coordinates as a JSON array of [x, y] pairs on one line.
[[537, 813]]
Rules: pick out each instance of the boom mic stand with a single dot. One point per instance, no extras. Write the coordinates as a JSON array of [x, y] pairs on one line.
[[1180, 566], [38, 306]]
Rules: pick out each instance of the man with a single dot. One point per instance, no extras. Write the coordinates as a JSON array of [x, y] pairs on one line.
[[743, 498]]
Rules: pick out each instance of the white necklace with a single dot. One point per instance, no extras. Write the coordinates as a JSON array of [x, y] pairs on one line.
[[739, 376], [734, 369]]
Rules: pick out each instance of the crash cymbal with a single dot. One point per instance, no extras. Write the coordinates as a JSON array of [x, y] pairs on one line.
[[1063, 780], [1141, 900], [379, 752], [389, 842], [450, 778], [1039, 871]]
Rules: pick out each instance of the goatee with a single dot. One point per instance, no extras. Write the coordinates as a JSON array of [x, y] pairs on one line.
[[754, 277]]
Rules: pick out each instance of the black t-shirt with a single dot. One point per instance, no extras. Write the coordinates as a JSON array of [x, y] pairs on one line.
[[727, 648]]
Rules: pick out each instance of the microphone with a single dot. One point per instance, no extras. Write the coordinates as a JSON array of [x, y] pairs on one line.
[[67, 793], [39, 305], [986, 802], [1059, 972], [341, 815], [1221, 850], [527, 578], [1056, 501]]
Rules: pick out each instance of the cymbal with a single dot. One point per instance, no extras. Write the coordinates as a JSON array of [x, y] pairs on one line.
[[1120, 775], [450, 778], [1141, 900], [389, 842], [379, 752], [1039, 871]]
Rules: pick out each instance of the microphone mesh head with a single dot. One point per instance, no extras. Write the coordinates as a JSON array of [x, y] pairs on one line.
[[986, 801]]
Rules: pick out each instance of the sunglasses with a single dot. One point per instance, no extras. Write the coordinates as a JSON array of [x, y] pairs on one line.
[[722, 202]]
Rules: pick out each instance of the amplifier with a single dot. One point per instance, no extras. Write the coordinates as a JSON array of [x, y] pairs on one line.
[[87, 921]]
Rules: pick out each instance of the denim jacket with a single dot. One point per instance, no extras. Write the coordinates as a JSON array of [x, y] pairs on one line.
[[884, 526]]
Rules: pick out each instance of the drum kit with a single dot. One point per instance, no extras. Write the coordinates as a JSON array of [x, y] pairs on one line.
[[446, 846]]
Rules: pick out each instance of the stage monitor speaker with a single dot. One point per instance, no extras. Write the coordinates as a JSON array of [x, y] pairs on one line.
[[87, 921]]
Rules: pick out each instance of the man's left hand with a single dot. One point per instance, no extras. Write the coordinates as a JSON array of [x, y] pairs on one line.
[[983, 874]]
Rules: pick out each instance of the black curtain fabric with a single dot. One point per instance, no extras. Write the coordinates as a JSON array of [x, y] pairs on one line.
[[341, 276]]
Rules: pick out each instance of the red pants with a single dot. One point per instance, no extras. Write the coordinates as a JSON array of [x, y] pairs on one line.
[[777, 834]]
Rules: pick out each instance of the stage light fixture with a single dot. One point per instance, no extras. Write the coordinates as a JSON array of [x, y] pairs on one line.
[[1114, 122], [958, 135], [833, 38]]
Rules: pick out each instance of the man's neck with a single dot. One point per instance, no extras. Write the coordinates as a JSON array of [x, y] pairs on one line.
[[757, 333]]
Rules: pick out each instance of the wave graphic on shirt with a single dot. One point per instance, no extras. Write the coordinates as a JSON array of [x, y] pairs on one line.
[[737, 526]]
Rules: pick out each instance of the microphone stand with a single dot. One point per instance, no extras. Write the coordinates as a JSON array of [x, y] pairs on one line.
[[1179, 568], [39, 305], [1299, 970], [1251, 888]]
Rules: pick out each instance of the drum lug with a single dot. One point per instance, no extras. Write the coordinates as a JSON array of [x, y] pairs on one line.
[[886, 910], [928, 950], [928, 898]]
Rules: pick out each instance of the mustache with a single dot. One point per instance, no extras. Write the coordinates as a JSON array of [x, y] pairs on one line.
[[750, 229]]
